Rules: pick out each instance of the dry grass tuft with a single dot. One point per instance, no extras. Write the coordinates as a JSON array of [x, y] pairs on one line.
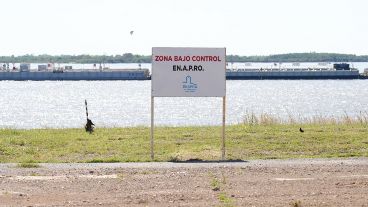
[[265, 119]]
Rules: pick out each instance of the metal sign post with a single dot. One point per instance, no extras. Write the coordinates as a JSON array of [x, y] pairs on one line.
[[223, 126], [152, 125]]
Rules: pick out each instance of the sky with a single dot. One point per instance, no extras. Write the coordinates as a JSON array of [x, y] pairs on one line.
[[244, 27]]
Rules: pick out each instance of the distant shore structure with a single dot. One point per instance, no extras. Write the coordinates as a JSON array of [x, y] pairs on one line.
[[338, 71]]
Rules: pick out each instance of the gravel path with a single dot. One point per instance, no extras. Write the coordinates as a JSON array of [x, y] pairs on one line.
[[297, 182]]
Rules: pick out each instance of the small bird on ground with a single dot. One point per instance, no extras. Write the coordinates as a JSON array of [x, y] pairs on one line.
[[301, 130]]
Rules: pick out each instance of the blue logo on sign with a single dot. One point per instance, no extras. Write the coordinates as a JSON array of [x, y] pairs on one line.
[[188, 86]]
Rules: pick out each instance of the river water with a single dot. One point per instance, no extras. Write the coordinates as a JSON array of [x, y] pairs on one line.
[[60, 104]]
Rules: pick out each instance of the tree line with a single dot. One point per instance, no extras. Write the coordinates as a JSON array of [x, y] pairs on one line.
[[133, 58], [125, 58]]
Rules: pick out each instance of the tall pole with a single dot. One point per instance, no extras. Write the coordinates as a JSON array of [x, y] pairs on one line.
[[223, 126], [85, 102], [152, 126]]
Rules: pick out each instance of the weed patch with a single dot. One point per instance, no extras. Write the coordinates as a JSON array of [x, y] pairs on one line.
[[28, 165]]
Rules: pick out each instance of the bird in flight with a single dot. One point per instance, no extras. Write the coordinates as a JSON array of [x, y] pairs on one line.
[[131, 32]]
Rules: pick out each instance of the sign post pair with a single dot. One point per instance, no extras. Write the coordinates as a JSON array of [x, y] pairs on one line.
[[188, 72]]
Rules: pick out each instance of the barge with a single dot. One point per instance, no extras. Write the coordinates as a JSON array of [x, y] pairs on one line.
[[339, 71], [49, 72], [67, 73]]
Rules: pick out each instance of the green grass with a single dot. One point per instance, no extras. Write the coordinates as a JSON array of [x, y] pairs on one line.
[[225, 200], [215, 184], [267, 140], [296, 204], [28, 165], [218, 186]]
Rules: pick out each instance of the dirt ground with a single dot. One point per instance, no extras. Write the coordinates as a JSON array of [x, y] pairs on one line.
[[306, 182]]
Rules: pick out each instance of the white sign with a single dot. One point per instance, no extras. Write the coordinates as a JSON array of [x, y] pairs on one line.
[[187, 72]]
